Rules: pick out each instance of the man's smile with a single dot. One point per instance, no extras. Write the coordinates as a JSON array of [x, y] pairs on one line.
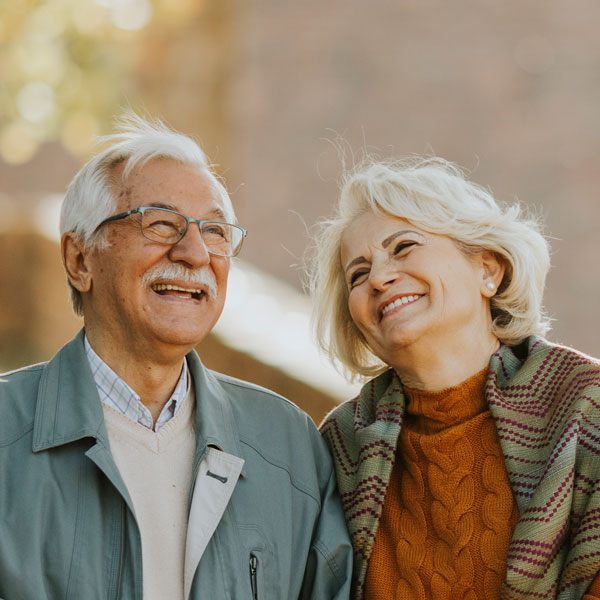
[[168, 289]]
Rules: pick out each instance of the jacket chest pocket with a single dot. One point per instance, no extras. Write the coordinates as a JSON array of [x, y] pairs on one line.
[[262, 565], [238, 563]]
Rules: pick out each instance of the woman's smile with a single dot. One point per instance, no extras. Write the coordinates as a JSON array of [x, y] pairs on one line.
[[396, 302]]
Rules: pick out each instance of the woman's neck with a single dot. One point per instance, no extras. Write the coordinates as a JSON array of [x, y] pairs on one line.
[[435, 367]]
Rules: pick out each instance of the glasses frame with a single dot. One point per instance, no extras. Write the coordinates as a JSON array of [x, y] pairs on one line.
[[142, 209]]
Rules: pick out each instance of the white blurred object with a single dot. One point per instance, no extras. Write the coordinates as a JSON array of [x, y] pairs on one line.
[[269, 319]]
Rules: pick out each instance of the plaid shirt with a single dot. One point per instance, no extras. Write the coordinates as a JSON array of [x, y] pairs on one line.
[[114, 392]]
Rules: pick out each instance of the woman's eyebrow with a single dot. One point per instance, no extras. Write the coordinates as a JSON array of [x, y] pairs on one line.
[[361, 259], [357, 261], [390, 238]]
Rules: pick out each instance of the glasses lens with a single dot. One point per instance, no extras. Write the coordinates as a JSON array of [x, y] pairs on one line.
[[163, 226], [222, 239]]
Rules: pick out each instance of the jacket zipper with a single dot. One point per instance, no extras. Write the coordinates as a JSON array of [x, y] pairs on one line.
[[121, 549], [253, 570]]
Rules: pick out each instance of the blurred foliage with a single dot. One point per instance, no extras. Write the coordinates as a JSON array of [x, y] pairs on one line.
[[66, 66]]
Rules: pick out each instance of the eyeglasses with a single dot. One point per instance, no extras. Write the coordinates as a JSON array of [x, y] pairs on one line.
[[167, 226]]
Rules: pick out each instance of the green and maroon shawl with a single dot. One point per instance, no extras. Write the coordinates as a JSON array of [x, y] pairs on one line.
[[545, 400]]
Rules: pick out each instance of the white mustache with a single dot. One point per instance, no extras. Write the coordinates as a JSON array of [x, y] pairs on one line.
[[174, 271]]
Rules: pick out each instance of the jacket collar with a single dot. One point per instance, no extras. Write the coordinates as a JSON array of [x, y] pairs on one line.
[[215, 424], [68, 407]]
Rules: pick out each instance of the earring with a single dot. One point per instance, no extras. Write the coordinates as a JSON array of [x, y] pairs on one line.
[[490, 286]]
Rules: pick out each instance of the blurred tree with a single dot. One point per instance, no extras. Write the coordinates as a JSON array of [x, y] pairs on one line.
[[65, 66]]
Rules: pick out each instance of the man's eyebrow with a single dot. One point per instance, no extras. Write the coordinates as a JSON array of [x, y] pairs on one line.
[[215, 212], [162, 205], [388, 240]]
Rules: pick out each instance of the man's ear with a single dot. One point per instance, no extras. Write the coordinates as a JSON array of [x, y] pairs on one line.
[[76, 263], [493, 268]]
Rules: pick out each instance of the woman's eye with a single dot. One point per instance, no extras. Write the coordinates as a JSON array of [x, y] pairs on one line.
[[357, 277], [403, 246]]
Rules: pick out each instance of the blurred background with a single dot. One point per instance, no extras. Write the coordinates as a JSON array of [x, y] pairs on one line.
[[274, 90]]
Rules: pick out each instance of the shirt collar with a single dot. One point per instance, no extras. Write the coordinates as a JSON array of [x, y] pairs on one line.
[[115, 392], [67, 407]]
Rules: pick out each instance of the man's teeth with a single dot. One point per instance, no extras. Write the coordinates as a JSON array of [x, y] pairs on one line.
[[163, 287], [398, 302]]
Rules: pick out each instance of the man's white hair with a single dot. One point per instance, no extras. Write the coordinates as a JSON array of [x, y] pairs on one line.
[[90, 197]]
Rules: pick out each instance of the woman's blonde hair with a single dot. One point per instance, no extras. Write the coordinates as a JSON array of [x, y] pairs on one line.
[[435, 196]]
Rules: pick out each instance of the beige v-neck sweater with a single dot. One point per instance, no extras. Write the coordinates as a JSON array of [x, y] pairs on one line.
[[157, 470]]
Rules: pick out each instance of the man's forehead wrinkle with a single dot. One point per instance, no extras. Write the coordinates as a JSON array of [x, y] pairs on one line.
[[126, 191]]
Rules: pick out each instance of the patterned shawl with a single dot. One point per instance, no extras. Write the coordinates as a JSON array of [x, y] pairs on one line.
[[545, 400]]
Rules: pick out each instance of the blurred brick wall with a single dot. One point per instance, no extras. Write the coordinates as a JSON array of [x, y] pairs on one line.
[[35, 318], [509, 90]]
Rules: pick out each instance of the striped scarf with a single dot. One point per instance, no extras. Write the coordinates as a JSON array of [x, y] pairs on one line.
[[545, 400]]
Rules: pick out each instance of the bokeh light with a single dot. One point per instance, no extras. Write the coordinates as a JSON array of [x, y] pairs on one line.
[[130, 15], [61, 61], [36, 101], [18, 143], [79, 132]]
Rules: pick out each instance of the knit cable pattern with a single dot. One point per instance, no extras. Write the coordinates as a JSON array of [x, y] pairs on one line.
[[411, 549], [453, 491], [496, 513], [545, 401], [447, 441]]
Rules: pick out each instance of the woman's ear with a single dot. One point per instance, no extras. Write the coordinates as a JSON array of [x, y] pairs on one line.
[[75, 260], [493, 268]]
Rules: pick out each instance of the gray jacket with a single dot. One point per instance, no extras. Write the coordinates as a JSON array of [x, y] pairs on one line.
[[67, 525]]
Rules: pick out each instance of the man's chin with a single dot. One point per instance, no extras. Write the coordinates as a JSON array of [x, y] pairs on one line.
[[185, 334]]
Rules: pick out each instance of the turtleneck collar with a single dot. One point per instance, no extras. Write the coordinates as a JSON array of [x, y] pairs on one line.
[[432, 412]]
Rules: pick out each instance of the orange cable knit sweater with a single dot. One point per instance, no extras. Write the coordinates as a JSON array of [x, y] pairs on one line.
[[449, 512]]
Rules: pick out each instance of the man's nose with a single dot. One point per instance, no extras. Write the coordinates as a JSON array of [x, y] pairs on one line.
[[191, 249]]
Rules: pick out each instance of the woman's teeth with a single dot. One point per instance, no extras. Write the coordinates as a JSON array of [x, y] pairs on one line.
[[399, 301]]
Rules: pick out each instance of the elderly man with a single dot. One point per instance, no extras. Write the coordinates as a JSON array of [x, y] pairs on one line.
[[128, 469]]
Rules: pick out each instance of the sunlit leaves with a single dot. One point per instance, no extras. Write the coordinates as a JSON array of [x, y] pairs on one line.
[[64, 66]]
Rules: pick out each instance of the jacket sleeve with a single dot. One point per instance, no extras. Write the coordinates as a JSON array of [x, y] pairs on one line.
[[328, 571]]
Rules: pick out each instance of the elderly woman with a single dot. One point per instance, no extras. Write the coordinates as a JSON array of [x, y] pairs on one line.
[[469, 466]]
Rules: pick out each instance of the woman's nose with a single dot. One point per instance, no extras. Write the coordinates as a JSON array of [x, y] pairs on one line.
[[382, 275]]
